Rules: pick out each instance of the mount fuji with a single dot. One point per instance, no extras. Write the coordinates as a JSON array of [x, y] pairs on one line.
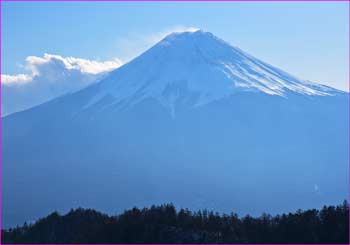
[[192, 121]]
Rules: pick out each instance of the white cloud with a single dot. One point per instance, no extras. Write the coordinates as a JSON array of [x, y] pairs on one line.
[[49, 77], [135, 43], [154, 38], [12, 79]]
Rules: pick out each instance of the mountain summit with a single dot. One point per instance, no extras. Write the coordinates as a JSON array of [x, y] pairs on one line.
[[192, 121], [200, 68]]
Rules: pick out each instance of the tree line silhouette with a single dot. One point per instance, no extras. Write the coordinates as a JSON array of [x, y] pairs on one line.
[[164, 224]]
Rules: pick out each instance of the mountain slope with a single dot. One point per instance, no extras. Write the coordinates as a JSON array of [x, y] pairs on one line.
[[201, 67], [191, 121]]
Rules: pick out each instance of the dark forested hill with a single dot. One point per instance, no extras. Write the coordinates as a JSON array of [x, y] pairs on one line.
[[164, 224]]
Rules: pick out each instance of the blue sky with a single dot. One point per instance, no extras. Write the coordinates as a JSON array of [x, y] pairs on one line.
[[309, 40]]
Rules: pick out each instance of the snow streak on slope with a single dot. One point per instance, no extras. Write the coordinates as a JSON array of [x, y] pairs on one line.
[[197, 68]]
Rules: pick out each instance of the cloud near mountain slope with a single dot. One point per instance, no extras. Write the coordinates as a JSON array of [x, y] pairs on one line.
[[50, 76]]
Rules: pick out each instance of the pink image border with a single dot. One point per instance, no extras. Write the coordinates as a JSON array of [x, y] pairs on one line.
[[1, 62]]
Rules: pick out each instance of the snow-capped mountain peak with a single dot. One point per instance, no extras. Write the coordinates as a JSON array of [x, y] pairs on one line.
[[201, 68]]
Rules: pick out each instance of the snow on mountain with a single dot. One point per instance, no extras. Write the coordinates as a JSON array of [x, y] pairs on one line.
[[202, 65]]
